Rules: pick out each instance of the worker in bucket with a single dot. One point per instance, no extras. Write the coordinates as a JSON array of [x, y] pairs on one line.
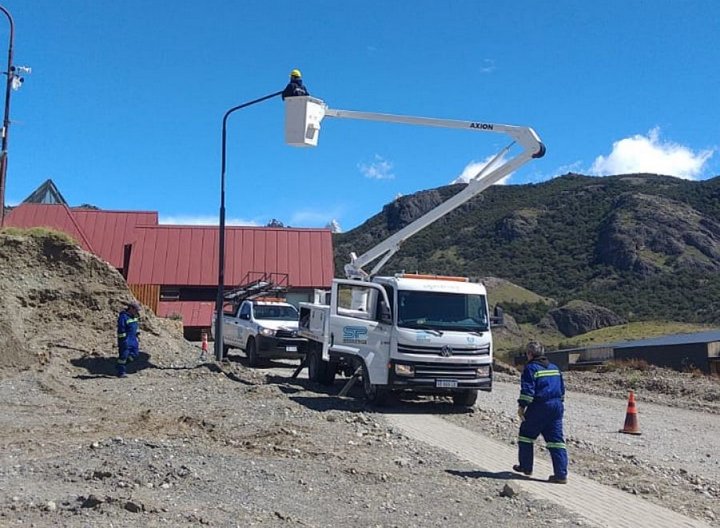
[[127, 335], [295, 87], [541, 409]]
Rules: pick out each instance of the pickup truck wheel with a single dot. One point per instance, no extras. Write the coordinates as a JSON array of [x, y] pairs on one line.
[[465, 398], [251, 353], [374, 394]]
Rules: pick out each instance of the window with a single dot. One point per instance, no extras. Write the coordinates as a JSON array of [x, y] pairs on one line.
[[442, 311], [356, 301]]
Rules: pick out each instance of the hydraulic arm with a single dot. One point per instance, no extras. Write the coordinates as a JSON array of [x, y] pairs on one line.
[[491, 173]]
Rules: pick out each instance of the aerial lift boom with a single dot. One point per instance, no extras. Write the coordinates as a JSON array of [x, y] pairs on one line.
[[488, 175]]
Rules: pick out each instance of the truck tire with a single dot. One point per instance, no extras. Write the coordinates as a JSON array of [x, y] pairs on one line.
[[374, 394], [465, 399], [319, 371], [251, 353]]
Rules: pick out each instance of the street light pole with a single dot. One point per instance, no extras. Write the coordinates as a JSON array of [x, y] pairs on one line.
[[221, 233], [6, 120]]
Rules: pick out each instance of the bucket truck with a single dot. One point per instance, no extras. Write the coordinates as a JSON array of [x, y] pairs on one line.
[[408, 332]]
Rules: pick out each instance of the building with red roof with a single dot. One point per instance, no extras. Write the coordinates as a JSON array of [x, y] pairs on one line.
[[174, 269]]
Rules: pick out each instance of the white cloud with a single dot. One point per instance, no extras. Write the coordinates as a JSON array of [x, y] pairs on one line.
[[203, 220], [474, 167], [649, 154], [487, 66], [379, 169]]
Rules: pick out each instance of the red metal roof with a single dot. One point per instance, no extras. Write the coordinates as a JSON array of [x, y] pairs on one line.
[[194, 313], [104, 233], [188, 255], [109, 231], [54, 216]]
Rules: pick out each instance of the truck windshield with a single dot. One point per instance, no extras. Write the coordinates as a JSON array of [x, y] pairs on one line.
[[442, 311], [277, 313]]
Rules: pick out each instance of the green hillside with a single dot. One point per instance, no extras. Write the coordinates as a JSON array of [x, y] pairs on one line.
[[644, 246]]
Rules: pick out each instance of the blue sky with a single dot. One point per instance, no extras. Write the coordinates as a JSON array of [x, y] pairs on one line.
[[124, 105]]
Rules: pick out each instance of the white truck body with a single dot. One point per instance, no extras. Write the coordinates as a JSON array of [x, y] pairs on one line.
[[422, 333], [264, 330]]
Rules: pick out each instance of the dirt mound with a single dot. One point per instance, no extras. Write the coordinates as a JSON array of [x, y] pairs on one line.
[[57, 300]]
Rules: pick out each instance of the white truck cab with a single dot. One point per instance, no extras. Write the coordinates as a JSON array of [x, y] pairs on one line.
[[419, 333]]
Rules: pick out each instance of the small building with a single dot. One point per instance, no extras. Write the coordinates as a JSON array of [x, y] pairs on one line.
[[699, 350]]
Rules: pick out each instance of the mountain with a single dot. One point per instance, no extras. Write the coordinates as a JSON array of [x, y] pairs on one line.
[[644, 246]]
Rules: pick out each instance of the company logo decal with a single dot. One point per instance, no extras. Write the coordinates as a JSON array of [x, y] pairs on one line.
[[355, 334]]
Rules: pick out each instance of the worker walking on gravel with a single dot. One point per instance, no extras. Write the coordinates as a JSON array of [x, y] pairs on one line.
[[295, 87], [541, 408], [127, 335]]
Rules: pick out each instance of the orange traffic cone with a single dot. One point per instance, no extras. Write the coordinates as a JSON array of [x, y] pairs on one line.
[[204, 344], [631, 420]]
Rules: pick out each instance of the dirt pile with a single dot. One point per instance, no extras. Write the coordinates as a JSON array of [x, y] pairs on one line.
[[58, 300]]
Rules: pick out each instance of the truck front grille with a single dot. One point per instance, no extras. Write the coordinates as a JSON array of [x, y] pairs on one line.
[[450, 371], [483, 350], [286, 333]]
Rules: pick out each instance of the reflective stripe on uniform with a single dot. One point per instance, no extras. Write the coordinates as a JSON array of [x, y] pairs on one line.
[[120, 336], [525, 397], [526, 440], [545, 373], [121, 361], [555, 445]]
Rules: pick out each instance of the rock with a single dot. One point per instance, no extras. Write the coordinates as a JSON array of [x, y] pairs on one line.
[[508, 491], [134, 507], [91, 501], [51, 506], [580, 317]]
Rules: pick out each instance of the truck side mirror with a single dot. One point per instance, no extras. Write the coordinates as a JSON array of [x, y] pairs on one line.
[[385, 313], [498, 318]]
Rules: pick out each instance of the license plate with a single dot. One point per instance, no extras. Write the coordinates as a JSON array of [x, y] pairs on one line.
[[446, 384], [290, 349]]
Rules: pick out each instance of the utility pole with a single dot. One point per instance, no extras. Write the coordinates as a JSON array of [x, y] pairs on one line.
[[6, 120]]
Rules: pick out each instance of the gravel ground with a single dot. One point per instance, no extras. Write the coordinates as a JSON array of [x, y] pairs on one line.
[[186, 443], [173, 445]]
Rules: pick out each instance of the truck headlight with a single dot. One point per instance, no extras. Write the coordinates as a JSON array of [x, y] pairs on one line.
[[404, 370], [484, 371], [267, 332]]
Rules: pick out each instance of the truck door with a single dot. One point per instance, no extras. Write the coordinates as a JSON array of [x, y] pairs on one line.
[[360, 326], [242, 328]]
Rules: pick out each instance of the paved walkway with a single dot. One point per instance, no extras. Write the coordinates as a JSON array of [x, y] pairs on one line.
[[599, 504]]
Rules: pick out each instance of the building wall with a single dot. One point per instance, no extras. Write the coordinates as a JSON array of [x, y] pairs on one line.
[[678, 357]]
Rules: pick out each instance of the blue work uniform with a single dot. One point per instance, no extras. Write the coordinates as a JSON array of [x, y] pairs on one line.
[[127, 336], [542, 392], [295, 88]]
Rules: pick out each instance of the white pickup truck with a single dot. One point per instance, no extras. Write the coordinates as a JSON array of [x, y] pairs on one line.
[[264, 330]]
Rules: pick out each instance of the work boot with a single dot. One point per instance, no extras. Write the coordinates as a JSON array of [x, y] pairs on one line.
[[557, 480], [518, 469]]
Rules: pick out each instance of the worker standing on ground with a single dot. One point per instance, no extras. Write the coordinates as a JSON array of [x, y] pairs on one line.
[[127, 334], [541, 409], [295, 87]]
